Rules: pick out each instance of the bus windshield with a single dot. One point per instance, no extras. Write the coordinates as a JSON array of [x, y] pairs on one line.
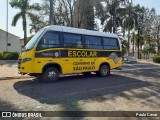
[[33, 40]]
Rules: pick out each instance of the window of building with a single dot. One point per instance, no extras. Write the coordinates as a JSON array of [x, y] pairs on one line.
[[110, 43], [72, 40], [49, 40], [93, 42]]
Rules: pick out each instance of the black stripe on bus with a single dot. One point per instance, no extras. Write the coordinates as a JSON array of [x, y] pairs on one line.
[[75, 54]]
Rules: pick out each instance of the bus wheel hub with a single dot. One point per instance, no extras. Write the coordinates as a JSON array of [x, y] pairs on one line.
[[51, 74]]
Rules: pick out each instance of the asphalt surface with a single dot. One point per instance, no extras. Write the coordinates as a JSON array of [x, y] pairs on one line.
[[136, 87], [78, 87]]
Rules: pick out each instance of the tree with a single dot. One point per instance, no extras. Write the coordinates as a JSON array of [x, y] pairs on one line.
[[37, 22], [140, 11], [25, 10], [65, 12], [78, 19], [129, 20], [84, 14], [109, 14], [156, 33]]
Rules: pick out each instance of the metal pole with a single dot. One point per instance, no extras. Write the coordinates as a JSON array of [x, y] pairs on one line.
[[51, 13], [7, 28]]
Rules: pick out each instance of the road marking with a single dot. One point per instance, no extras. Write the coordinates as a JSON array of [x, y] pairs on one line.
[[93, 90]]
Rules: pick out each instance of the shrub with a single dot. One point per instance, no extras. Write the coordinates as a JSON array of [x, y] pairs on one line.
[[10, 56], [156, 59], [1, 55], [124, 51]]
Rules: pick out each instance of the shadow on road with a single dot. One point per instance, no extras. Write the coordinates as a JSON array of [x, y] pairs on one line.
[[74, 88], [6, 106], [153, 73]]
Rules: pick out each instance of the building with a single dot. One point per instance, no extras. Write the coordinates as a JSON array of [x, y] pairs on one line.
[[12, 45]]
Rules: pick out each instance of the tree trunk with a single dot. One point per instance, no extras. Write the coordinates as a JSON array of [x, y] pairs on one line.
[[158, 41], [71, 12], [114, 22], [51, 13], [133, 45], [124, 32], [138, 41], [128, 47], [25, 29]]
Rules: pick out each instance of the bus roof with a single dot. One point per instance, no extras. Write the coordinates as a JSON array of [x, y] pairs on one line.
[[80, 31]]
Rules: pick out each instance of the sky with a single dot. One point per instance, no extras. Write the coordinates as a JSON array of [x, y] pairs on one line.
[[18, 31]]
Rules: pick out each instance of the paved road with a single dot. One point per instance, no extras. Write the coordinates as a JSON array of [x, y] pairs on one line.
[[141, 65], [80, 87], [9, 69], [122, 91]]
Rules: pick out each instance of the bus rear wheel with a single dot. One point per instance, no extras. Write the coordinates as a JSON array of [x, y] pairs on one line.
[[104, 71], [51, 74]]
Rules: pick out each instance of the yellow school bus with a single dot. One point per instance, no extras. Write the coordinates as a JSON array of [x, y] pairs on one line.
[[56, 50]]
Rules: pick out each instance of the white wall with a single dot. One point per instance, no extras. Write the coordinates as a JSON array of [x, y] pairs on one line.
[[14, 40]]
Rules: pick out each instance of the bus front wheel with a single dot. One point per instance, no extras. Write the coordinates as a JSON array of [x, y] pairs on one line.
[[51, 74], [104, 70]]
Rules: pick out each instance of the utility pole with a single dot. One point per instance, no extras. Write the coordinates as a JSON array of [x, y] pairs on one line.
[[51, 13], [7, 27]]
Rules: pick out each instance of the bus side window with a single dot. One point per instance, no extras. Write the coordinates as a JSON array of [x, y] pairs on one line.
[[72, 40], [110, 43], [93, 42], [49, 40]]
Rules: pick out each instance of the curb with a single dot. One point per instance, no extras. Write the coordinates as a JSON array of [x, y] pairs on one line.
[[150, 62], [4, 62], [10, 61], [16, 77]]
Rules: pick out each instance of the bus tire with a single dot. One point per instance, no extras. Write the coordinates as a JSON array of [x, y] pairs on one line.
[[104, 70], [51, 74]]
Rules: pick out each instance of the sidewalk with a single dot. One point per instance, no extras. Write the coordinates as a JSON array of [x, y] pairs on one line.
[[139, 65], [9, 70], [148, 61]]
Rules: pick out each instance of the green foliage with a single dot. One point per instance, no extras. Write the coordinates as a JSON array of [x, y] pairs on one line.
[[156, 59], [124, 51], [1, 55], [8, 56], [149, 49], [25, 9]]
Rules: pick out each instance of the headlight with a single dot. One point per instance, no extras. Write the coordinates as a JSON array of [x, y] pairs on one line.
[[26, 59]]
